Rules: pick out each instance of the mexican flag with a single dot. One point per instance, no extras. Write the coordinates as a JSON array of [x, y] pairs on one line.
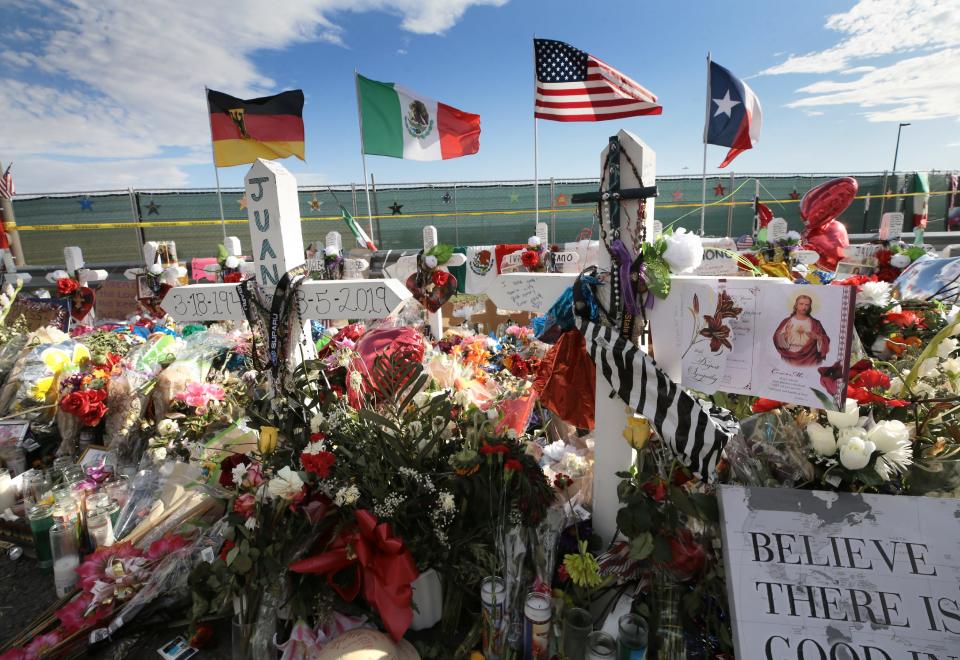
[[362, 239], [921, 199], [399, 122]]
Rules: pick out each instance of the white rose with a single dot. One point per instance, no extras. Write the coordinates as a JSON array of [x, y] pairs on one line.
[[856, 453], [899, 260], [821, 439], [874, 294], [684, 251], [843, 435], [430, 261], [947, 346], [879, 348], [848, 417], [534, 241], [286, 485], [889, 435]]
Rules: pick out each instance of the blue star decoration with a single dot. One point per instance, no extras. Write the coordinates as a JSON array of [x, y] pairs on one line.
[[153, 208], [86, 204], [447, 197], [396, 208]]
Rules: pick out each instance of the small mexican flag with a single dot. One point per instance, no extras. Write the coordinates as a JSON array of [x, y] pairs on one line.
[[399, 122], [362, 239], [921, 199]]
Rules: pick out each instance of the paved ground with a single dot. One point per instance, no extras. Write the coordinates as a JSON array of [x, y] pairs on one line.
[[26, 592]]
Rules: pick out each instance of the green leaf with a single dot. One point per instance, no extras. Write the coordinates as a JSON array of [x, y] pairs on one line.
[[242, 565], [641, 546], [232, 555]]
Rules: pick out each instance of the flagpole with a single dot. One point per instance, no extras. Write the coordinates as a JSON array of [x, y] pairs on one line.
[[706, 129], [216, 170], [536, 152], [363, 156]]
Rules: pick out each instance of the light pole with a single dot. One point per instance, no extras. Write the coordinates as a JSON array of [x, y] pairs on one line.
[[896, 152]]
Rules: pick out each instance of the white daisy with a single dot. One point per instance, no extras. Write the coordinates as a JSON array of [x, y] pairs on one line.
[[239, 472], [896, 461]]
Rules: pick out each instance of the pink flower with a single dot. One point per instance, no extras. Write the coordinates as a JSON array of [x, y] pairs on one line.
[[166, 545], [198, 395], [245, 505], [72, 616], [254, 476], [302, 644], [43, 643]]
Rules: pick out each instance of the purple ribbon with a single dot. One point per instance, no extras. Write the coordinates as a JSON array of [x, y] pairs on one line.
[[620, 254]]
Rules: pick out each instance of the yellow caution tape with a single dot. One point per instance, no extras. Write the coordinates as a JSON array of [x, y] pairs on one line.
[[11, 226]]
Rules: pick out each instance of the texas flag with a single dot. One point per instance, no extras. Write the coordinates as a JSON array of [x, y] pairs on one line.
[[734, 116]]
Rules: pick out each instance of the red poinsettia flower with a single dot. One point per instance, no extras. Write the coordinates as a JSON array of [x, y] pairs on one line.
[[67, 286], [762, 405]]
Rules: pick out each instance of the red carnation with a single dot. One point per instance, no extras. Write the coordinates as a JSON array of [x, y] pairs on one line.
[[319, 463], [66, 286], [530, 259], [514, 465], [486, 449], [872, 378], [440, 278]]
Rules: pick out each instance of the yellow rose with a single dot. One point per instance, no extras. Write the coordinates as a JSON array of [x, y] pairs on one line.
[[268, 440]]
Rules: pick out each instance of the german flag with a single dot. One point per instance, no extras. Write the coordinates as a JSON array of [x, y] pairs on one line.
[[269, 127]]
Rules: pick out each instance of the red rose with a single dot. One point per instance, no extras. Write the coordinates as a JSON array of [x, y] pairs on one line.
[[656, 490], [233, 278], [75, 403], [440, 278], [514, 465], [227, 547], [486, 449], [687, 556], [245, 505], [562, 481], [319, 464], [762, 405], [66, 286], [94, 414], [530, 259]]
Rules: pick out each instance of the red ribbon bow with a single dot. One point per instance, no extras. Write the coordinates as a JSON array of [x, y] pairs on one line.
[[382, 566]]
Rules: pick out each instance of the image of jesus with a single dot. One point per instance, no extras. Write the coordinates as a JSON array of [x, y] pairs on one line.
[[800, 338]]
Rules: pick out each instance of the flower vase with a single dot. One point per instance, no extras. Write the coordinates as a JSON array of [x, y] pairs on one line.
[[427, 600], [241, 638], [669, 636]]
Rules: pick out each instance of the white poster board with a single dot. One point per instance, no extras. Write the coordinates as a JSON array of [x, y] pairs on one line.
[[817, 574]]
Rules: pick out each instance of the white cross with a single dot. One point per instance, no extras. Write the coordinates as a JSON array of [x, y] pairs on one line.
[[9, 269], [274, 216], [73, 258]]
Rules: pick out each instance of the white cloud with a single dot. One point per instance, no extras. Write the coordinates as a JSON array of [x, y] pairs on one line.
[[111, 79], [915, 48]]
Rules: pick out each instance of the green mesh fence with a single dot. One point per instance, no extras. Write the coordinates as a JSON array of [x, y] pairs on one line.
[[463, 213]]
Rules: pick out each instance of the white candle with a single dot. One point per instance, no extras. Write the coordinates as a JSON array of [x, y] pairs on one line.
[[65, 574]]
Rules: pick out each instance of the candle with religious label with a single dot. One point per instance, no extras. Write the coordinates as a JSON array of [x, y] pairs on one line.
[[66, 557], [536, 633], [493, 592]]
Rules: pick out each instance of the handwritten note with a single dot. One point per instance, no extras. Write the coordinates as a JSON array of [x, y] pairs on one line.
[[116, 299]]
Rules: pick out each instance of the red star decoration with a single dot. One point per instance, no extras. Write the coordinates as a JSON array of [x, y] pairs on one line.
[[718, 190], [794, 194], [677, 195]]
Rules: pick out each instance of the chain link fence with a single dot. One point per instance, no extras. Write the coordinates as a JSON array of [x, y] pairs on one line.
[[110, 226]]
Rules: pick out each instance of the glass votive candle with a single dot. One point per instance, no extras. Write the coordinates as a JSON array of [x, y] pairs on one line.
[[66, 557], [100, 528], [632, 641], [601, 646], [577, 624], [41, 520]]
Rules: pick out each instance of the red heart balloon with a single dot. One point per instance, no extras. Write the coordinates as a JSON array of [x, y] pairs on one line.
[[827, 201]]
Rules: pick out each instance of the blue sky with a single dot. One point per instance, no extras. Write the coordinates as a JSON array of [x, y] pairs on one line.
[[104, 94]]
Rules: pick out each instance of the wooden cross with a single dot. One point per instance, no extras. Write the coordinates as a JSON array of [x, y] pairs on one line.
[[274, 216], [630, 168]]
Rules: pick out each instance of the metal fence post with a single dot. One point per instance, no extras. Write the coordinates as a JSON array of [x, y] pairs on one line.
[[730, 208], [883, 193], [135, 210], [456, 216], [553, 210]]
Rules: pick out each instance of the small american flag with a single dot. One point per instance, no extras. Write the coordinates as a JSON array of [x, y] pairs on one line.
[[7, 190], [744, 242], [575, 86]]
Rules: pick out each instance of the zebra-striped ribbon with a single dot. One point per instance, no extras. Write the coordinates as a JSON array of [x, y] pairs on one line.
[[695, 430]]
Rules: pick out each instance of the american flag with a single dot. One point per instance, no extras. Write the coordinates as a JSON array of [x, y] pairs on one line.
[[6, 184], [575, 86]]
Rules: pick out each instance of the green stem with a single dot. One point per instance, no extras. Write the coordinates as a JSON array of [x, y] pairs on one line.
[[927, 352]]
